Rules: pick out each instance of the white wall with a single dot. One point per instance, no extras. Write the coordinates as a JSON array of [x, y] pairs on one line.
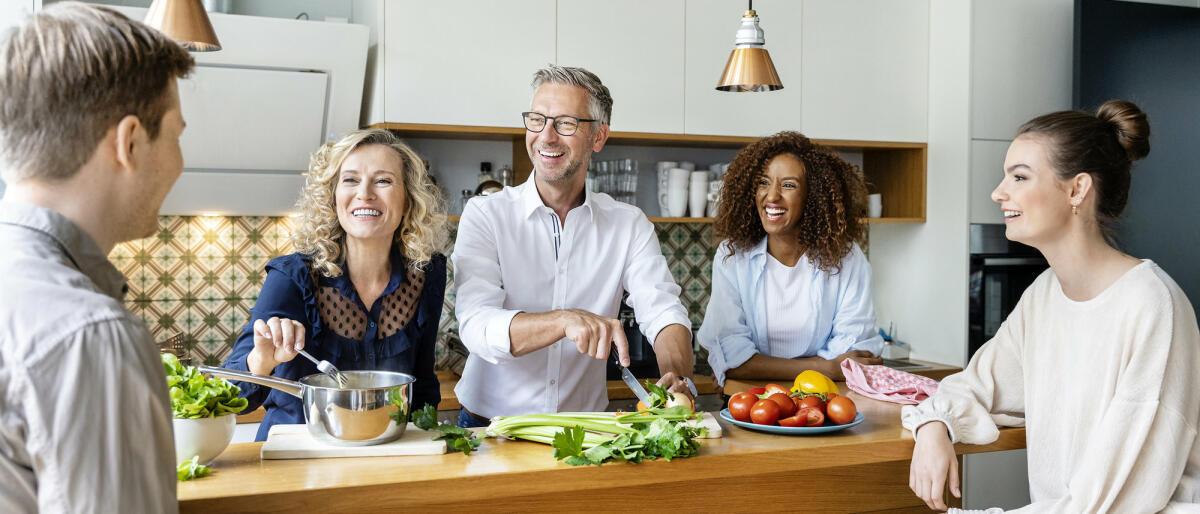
[[920, 270]]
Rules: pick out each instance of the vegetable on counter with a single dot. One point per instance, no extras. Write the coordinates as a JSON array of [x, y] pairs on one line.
[[190, 469], [814, 402], [587, 438], [810, 381], [660, 398], [195, 396], [457, 438]]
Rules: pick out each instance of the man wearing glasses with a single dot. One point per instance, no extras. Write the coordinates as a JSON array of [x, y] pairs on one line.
[[539, 270]]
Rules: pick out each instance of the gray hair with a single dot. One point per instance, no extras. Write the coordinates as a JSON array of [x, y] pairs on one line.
[[70, 73], [599, 99]]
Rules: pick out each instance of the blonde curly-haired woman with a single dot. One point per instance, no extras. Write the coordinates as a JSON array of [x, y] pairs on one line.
[[364, 288]]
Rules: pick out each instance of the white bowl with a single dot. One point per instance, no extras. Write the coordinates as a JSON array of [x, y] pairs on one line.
[[206, 437]]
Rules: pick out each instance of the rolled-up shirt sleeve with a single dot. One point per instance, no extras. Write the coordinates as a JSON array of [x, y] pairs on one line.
[[479, 302], [725, 332], [99, 421], [653, 293], [854, 316]]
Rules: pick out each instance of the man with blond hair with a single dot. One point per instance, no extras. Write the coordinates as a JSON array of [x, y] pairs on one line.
[[89, 147]]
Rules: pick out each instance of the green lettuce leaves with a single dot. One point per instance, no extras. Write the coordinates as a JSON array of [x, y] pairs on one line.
[[195, 396]]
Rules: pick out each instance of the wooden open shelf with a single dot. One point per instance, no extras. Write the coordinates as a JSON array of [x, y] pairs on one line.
[[894, 169]]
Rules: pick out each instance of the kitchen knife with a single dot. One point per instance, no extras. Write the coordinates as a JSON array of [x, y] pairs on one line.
[[632, 383]]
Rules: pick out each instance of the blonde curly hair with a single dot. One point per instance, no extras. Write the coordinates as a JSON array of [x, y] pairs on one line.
[[318, 233]]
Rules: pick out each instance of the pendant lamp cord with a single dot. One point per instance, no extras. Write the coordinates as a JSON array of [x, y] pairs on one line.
[[751, 5]]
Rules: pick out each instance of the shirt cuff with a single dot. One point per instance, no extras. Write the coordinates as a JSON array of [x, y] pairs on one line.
[[656, 326], [913, 416], [496, 336]]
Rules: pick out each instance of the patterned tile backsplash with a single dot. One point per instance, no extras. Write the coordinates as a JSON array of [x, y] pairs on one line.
[[199, 276]]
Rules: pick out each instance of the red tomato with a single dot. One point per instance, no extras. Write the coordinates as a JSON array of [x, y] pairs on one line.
[[830, 396], [812, 417], [794, 421], [786, 406], [740, 405], [841, 410], [775, 388], [765, 412], [757, 391], [812, 402]]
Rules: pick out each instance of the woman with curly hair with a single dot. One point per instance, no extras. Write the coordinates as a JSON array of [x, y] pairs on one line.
[[364, 288], [791, 290]]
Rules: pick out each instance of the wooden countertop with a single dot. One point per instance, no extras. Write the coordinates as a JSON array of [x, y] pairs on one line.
[[865, 464]]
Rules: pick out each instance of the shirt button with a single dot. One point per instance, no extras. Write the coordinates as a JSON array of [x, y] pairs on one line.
[[371, 324], [551, 381]]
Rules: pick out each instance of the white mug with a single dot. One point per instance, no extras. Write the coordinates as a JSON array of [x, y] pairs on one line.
[[677, 202], [874, 205], [698, 193]]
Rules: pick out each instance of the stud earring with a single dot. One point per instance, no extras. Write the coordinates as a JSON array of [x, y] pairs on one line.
[[1075, 209]]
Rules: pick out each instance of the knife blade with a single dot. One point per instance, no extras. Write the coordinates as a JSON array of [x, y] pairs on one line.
[[633, 385]]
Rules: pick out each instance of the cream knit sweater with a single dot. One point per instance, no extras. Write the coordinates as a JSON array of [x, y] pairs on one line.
[[1108, 390]]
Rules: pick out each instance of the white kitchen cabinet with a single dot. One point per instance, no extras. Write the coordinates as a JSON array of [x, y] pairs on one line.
[[987, 169], [467, 62], [865, 69], [1021, 63], [636, 48], [711, 25]]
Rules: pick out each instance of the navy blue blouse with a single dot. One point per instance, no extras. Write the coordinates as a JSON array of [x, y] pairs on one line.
[[396, 334]]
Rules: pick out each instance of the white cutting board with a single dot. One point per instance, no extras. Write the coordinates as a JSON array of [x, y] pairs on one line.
[[709, 422], [294, 442]]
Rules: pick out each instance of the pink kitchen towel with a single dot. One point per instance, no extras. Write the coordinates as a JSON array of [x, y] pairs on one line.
[[887, 384]]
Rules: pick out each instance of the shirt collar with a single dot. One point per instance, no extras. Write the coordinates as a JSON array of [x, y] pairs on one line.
[[531, 201], [76, 244], [759, 251]]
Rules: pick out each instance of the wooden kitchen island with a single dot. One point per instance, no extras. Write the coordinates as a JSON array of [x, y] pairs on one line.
[[863, 468]]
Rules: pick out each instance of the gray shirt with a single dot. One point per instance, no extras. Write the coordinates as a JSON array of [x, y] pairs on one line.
[[85, 422]]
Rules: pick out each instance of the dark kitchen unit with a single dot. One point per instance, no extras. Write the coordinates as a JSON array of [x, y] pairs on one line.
[[999, 273], [642, 362]]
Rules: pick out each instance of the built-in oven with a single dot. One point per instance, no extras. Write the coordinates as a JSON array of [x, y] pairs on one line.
[[999, 273]]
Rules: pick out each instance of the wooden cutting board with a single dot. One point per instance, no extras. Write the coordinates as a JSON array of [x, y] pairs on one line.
[[294, 442]]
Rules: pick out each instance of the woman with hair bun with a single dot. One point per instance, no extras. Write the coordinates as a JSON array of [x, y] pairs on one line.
[[364, 288], [791, 290], [1099, 358]]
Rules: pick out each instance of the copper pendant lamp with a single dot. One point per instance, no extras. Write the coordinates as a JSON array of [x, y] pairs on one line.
[[749, 68], [184, 21]]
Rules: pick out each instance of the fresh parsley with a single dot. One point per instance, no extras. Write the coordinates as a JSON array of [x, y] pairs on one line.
[[457, 439]]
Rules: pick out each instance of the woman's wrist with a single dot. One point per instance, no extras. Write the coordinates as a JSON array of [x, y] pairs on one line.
[[258, 364]]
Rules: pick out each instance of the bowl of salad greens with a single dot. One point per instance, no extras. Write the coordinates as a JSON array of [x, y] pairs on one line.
[[205, 411]]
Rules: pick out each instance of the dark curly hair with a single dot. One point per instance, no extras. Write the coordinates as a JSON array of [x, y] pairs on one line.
[[833, 207]]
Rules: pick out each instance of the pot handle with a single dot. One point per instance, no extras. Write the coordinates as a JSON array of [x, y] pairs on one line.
[[288, 386]]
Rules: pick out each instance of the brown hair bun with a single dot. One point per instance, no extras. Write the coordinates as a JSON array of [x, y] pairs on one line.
[[1130, 125]]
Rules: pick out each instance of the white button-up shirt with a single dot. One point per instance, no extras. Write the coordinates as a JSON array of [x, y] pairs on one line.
[[513, 255]]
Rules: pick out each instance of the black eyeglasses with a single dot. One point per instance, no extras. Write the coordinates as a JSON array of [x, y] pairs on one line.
[[564, 125]]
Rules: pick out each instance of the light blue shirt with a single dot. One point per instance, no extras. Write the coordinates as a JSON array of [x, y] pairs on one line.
[[838, 309]]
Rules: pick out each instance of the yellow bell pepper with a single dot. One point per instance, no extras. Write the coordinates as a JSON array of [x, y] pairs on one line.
[[810, 381]]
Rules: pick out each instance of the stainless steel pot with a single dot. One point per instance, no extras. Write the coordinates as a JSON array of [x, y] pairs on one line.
[[363, 413]]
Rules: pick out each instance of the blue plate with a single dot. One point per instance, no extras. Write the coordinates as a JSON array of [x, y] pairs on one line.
[[776, 429]]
